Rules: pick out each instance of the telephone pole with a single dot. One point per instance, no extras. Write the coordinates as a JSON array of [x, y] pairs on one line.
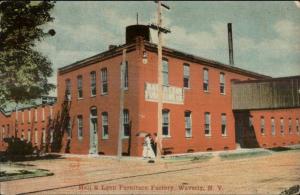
[[121, 119], [160, 30]]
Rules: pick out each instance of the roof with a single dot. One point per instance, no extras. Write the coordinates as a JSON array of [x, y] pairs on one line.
[[10, 107], [268, 80], [166, 51]]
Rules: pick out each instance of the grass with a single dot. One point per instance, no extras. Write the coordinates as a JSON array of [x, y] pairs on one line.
[[22, 173], [250, 154], [189, 158]]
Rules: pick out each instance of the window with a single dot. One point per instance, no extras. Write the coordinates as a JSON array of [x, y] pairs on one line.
[[3, 132], [207, 128], [69, 128], [22, 117], [80, 126], [165, 123], [290, 126], [297, 126], [126, 76], [79, 87], [126, 123], [29, 135], [22, 135], [188, 123], [104, 125], [35, 115], [251, 127], [93, 83], [281, 126], [104, 81], [262, 125], [273, 130], [186, 75], [35, 136], [205, 79], [68, 89], [223, 124], [43, 136], [222, 83], [165, 72], [51, 112], [29, 116], [43, 114]]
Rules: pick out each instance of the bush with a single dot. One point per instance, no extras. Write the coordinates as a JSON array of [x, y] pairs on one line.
[[18, 147]]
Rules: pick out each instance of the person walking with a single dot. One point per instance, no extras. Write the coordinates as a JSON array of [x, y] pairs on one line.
[[147, 148]]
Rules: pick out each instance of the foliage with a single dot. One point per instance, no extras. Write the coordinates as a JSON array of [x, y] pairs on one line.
[[18, 147], [57, 128], [23, 70]]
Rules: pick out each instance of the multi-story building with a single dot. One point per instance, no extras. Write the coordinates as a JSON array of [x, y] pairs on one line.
[[202, 102], [27, 121]]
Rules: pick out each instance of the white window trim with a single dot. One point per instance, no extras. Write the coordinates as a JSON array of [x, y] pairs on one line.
[[78, 129], [169, 126], [102, 122], [224, 134], [209, 119], [191, 129]]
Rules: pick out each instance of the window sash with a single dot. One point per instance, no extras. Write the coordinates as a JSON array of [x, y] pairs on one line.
[[79, 86], [165, 123], [126, 123], [104, 125], [93, 83], [273, 130], [126, 75], [207, 126], [80, 126], [35, 136]]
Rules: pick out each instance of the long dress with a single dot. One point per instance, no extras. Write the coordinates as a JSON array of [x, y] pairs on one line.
[[147, 148]]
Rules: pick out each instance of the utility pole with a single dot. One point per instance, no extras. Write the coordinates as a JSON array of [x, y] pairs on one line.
[[121, 119], [160, 30]]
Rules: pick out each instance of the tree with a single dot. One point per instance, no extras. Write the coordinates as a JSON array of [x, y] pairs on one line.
[[23, 69]]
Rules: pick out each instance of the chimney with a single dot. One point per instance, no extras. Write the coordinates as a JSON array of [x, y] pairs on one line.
[[230, 44]]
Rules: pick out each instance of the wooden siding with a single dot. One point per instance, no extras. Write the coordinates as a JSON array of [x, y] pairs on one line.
[[268, 94]]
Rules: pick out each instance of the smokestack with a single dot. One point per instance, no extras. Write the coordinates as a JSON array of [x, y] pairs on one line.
[[230, 44]]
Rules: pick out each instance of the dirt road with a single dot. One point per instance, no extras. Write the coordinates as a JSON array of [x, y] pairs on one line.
[[269, 174]]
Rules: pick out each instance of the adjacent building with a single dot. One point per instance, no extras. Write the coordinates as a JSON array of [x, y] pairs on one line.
[[206, 105]]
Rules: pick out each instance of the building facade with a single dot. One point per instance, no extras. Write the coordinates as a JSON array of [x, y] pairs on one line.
[[202, 104], [29, 122]]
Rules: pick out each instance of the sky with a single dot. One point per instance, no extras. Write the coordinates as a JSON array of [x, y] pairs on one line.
[[266, 35]]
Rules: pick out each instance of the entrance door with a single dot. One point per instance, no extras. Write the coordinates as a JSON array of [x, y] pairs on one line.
[[93, 131]]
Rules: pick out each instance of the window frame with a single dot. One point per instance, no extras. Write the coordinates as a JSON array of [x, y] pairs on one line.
[[104, 123], [205, 80], [262, 125], [68, 89], [165, 72], [79, 87], [222, 83], [207, 118], [224, 116], [126, 122], [104, 81], [80, 127], [273, 126], [166, 111], [186, 75], [93, 83], [281, 125], [188, 129]]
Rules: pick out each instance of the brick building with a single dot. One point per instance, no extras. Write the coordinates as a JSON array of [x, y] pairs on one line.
[[30, 122], [200, 110]]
